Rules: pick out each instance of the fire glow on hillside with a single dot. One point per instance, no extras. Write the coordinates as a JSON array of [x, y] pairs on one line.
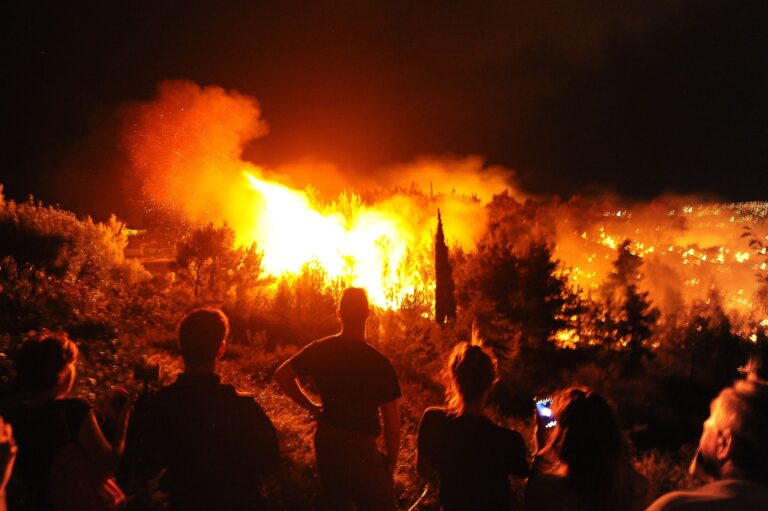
[[186, 149], [362, 246]]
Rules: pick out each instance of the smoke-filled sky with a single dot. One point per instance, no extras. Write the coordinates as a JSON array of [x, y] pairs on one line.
[[641, 99]]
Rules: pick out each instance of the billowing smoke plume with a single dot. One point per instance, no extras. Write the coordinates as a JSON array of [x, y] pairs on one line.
[[186, 148]]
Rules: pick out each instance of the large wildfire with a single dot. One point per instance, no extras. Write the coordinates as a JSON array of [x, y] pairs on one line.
[[186, 147], [378, 231]]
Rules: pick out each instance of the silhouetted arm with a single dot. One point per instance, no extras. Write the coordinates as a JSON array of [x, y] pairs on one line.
[[103, 453], [260, 436], [287, 379], [517, 455], [425, 467], [425, 447], [7, 457], [390, 413]]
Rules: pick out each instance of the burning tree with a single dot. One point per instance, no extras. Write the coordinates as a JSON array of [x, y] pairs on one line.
[[713, 351], [629, 315], [510, 283], [445, 303], [761, 248]]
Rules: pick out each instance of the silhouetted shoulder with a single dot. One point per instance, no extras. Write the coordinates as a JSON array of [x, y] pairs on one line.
[[515, 450], [76, 405], [434, 422], [75, 410], [671, 501], [434, 414], [378, 359], [433, 438], [724, 495], [307, 359], [472, 457], [546, 491], [680, 501], [328, 356]]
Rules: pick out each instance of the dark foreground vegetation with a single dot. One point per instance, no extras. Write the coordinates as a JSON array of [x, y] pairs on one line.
[[62, 273]]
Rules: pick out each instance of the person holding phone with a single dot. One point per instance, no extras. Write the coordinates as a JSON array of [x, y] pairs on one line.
[[544, 412], [461, 448], [581, 460]]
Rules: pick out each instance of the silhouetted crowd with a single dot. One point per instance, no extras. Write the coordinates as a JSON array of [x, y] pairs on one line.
[[208, 447]]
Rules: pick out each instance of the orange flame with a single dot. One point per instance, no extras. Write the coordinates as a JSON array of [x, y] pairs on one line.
[[186, 145], [365, 247]]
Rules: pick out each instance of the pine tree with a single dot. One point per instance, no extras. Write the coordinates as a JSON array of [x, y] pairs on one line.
[[445, 303], [630, 314]]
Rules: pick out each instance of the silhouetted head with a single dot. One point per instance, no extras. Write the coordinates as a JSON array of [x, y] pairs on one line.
[[734, 441], [353, 306], [588, 441], [472, 372], [45, 364], [201, 336]]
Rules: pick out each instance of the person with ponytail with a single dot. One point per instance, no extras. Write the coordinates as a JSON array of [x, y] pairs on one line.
[[461, 448]]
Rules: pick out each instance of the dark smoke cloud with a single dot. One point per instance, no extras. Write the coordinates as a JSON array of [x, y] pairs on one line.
[[638, 98]]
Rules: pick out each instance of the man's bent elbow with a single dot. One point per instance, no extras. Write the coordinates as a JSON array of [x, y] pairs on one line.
[[390, 413], [284, 375]]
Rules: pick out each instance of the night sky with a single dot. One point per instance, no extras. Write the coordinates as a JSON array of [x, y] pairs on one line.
[[576, 97]]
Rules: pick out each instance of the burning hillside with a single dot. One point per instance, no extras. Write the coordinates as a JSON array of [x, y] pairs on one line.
[[688, 248], [186, 148]]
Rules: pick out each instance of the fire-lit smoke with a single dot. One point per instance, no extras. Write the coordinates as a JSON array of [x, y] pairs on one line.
[[690, 246], [376, 230], [186, 148]]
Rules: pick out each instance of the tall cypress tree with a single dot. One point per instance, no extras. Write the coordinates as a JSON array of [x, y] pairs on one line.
[[445, 303]]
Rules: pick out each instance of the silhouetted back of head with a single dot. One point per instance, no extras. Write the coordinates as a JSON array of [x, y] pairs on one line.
[[472, 373], [41, 361], [201, 335], [745, 412], [353, 305], [588, 440]]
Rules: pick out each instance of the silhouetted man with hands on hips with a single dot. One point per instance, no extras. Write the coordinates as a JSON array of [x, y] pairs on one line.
[[355, 382]]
